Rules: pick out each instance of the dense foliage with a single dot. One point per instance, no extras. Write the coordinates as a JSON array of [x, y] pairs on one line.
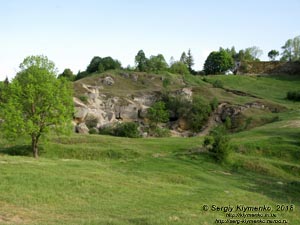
[[293, 95], [218, 143], [218, 62], [195, 112], [179, 68], [158, 113], [128, 129], [36, 101], [67, 74], [291, 50], [273, 54]]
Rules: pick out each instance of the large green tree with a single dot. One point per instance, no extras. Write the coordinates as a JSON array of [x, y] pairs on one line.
[[157, 63], [141, 61], [218, 62], [67, 74], [36, 101], [291, 50]]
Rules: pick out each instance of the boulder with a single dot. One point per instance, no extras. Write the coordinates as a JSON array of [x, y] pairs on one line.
[[108, 81], [82, 129]]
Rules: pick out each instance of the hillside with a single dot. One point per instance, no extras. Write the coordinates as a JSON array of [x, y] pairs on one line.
[[97, 179]]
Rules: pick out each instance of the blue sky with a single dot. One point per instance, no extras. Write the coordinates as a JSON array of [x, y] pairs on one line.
[[71, 32]]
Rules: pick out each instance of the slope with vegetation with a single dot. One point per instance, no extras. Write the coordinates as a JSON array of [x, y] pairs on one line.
[[244, 149], [97, 179]]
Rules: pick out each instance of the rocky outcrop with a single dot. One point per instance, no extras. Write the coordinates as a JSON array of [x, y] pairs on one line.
[[276, 67], [106, 109], [82, 129]]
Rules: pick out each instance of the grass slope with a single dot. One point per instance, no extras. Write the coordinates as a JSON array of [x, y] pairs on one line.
[[97, 179]]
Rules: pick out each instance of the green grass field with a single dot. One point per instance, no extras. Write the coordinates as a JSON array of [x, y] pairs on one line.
[[94, 179]]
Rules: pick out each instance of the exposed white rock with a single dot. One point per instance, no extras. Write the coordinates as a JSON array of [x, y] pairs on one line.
[[82, 128], [108, 81]]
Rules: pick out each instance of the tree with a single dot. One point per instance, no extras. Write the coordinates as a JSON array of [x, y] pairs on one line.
[[291, 50], [157, 113], [67, 74], [93, 66], [249, 54], [218, 62], [183, 58], [141, 61], [108, 63], [189, 61], [179, 68], [157, 63], [36, 101], [273, 54]]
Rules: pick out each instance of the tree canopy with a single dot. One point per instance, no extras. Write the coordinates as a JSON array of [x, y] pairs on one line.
[[218, 62], [291, 50], [273, 54], [36, 101], [67, 74], [100, 65]]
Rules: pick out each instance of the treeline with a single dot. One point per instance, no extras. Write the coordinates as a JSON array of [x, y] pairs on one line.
[[218, 62]]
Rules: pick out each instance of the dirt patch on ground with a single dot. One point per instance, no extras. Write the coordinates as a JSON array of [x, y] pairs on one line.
[[292, 124], [8, 219]]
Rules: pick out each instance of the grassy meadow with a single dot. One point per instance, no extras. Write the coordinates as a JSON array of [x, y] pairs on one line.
[[95, 179]]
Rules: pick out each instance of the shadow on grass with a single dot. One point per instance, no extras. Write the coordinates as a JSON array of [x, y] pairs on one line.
[[17, 150], [278, 189], [283, 192]]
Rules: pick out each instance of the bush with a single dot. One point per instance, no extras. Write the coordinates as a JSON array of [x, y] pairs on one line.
[[93, 131], [293, 95], [109, 130], [179, 68], [127, 130], [158, 113], [217, 143], [217, 84], [160, 132], [91, 122], [214, 103], [196, 113], [83, 98]]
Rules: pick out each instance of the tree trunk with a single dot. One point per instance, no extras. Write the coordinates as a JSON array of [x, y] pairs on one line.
[[34, 142]]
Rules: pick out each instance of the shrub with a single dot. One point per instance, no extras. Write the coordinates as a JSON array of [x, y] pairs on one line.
[[214, 103], [109, 130], [160, 132], [158, 113], [91, 122], [93, 131], [293, 95], [217, 143], [179, 68], [166, 82], [129, 129], [196, 113], [217, 84], [83, 98], [228, 123]]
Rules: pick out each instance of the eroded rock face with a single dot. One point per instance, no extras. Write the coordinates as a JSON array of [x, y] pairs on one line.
[[82, 128], [108, 81], [110, 109]]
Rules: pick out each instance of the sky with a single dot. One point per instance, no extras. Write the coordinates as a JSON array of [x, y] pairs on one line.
[[72, 32]]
